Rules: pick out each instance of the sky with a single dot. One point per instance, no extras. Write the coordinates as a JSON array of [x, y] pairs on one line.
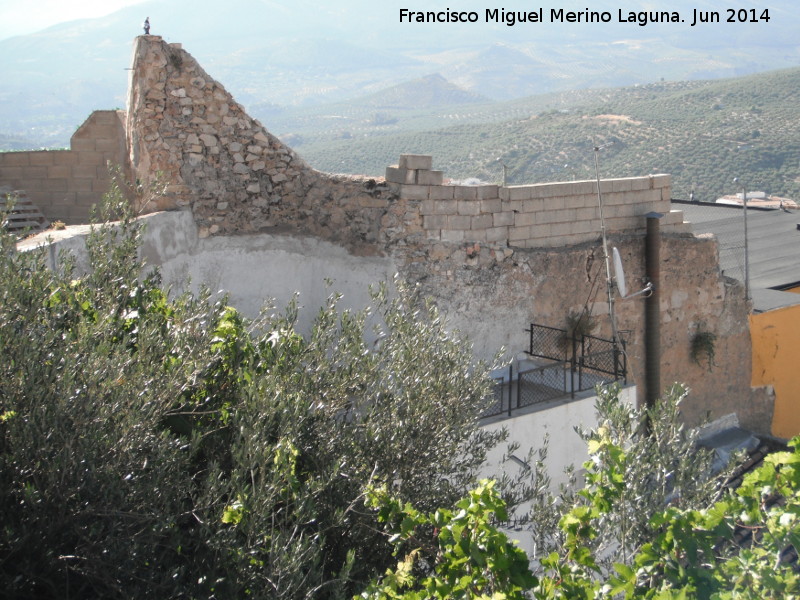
[[20, 17]]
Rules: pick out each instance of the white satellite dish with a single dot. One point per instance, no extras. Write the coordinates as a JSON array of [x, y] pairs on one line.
[[619, 274], [619, 277]]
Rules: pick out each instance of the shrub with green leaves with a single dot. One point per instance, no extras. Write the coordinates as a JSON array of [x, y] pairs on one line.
[[155, 443], [744, 545]]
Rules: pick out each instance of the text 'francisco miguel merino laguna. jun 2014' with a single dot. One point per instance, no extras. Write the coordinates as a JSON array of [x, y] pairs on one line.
[[561, 15]]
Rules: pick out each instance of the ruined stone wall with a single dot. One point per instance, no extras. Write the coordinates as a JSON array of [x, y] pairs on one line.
[[493, 258], [65, 184]]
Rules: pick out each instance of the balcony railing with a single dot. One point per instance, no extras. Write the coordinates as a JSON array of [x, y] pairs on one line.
[[566, 365]]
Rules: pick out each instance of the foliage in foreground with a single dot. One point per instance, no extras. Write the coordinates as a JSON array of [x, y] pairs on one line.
[[739, 547], [663, 462], [164, 446]]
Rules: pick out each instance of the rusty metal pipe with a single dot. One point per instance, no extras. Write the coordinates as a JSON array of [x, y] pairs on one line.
[[652, 311]]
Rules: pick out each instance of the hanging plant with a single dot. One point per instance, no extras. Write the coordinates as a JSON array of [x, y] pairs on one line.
[[578, 324], [703, 348]]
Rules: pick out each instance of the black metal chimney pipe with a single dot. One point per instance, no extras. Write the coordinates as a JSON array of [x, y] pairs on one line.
[[652, 311]]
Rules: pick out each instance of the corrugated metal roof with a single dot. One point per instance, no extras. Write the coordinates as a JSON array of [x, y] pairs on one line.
[[773, 240]]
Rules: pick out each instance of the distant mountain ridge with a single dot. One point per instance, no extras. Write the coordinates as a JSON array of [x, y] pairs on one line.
[[276, 55], [426, 92]]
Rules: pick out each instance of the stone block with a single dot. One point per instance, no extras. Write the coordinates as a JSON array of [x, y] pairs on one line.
[[524, 219], [32, 185], [107, 145], [65, 158], [34, 173], [497, 234], [547, 190], [672, 217], [518, 233], [503, 219], [494, 205], [430, 177], [585, 187], [553, 216], [585, 227], [520, 192], [397, 175], [465, 192], [487, 192], [541, 231], [475, 235], [586, 214], [445, 207], [660, 181], [574, 201], [84, 171], [416, 161], [413, 192], [91, 158], [15, 159], [481, 222], [41, 158], [621, 185], [640, 183], [539, 204], [10, 173], [626, 223], [442, 192], [54, 172], [82, 144], [434, 222], [80, 185], [459, 222], [448, 235], [469, 207]]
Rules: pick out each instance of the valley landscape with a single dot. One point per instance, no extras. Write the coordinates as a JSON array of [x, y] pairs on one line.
[[351, 87]]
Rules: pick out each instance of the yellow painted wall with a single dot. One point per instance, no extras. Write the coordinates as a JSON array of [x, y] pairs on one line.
[[776, 352]]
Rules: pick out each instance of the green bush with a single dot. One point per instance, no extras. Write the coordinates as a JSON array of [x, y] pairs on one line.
[[161, 444]]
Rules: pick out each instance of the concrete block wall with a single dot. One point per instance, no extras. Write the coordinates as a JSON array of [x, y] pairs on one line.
[[530, 216], [65, 184]]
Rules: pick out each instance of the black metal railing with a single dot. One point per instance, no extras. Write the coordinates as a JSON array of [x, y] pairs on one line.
[[575, 364]]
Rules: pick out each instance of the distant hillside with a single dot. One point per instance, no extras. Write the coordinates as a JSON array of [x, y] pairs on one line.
[[276, 57], [704, 133], [425, 92]]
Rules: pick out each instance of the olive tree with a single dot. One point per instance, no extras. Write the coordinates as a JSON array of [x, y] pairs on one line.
[[157, 442]]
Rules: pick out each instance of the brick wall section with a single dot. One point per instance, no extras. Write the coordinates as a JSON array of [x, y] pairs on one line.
[[531, 216], [65, 184]]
